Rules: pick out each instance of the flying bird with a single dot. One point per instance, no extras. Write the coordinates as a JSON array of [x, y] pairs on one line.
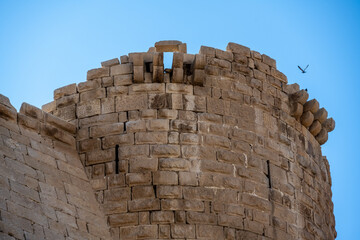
[[303, 70]]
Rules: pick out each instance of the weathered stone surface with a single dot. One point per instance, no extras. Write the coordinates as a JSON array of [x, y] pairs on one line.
[[131, 102], [65, 91], [329, 124], [300, 97], [110, 63], [121, 69], [218, 147], [97, 73]]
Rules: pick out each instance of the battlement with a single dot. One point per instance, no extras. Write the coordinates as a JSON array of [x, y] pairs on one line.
[[235, 74]]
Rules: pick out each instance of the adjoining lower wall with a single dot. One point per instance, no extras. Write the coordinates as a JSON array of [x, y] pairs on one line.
[[44, 191]]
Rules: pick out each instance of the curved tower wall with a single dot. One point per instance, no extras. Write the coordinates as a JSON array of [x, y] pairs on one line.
[[217, 147]]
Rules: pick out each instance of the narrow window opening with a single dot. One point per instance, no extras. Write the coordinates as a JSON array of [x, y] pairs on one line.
[[168, 59], [124, 127], [187, 69], [154, 186], [117, 159], [147, 67], [268, 173]]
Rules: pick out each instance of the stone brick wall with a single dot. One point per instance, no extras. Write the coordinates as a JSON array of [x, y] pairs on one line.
[[44, 190], [217, 147]]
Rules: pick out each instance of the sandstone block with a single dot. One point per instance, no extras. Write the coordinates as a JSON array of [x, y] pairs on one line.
[[174, 164], [212, 232], [165, 178], [110, 63], [49, 107], [137, 58], [131, 102], [159, 101], [230, 221], [315, 128], [188, 179], [182, 231], [100, 156], [151, 137], [141, 192], [66, 126], [31, 111], [226, 55], [116, 91], [312, 106], [139, 74], [329, 124], [117, 194], [176, 101], [167, 113], [144, 205], [268, 60], [134, 150], [121, 69], [201, 218], [198, 152], [158, 125], [88, 109], [143, 164], [67, 100], [262, 67], [179, 88], [134, 179], [207, 51], [58, 134], [165, 150], [89, 144], [112, 141], [65, 91], [116, 180], [158, 74], [107, 105], [307, 118], [322, 137], [297, 110], [199, 77], [123, 80], [115, 207], [147, 88], [139, 232], [123, 219], [28, 122], [136, 126], [237, 48], [177, 75], [162, 217], [230, 157], [124, 59], [167, 46], [98, 73], [89, 95], [169, 191], [321, 115], [194, 103], [88, 85], [108, 129]]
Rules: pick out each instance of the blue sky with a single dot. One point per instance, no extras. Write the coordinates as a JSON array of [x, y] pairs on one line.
[[45, 45]]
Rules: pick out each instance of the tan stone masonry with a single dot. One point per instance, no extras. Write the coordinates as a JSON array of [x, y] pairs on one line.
[[217, 147]]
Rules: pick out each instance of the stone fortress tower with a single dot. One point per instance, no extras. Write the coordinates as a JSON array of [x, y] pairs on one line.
[[217, 147]]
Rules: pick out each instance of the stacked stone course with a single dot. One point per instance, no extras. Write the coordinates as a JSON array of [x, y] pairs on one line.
[[217, 147]]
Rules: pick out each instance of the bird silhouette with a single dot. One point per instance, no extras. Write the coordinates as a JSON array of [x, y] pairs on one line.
[[303, 70]]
